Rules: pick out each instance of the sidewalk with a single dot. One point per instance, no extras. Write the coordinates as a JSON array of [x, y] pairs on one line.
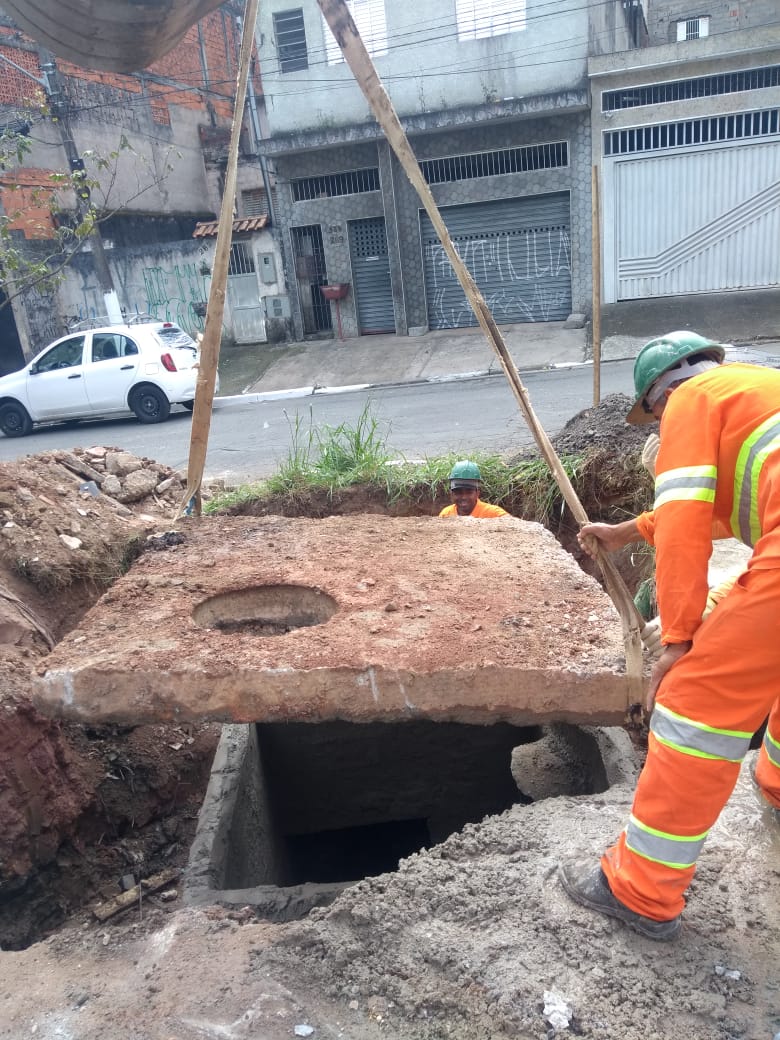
[[330, 365], [433, 357]]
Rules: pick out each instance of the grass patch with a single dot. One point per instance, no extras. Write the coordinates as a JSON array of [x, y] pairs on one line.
[[331, 458]]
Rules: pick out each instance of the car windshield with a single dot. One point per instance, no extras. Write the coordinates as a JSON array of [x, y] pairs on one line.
[[173, 336]]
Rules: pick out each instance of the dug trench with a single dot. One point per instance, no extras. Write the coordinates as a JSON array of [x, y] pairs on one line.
[[85, 809], [467, 937]]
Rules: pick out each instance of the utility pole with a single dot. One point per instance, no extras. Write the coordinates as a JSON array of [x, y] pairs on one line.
[[58, 105], [51, 84]]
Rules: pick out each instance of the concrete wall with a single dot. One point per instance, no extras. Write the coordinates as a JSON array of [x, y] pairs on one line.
[[725, 16], [426, 68], [166, 281], [398, 203]]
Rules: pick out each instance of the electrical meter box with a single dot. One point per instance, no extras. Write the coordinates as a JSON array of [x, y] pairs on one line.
[[267, 268], [277, 306]]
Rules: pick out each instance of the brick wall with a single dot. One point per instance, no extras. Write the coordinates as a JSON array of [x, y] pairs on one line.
[[26, 196]]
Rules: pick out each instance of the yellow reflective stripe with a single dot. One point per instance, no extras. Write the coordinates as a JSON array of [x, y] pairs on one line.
[[676, 851], [762, 442], [697, 739], [772, 748], [686, 484]]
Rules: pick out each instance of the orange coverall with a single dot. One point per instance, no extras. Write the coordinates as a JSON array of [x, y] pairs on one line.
[[718, 471], [482, 511]]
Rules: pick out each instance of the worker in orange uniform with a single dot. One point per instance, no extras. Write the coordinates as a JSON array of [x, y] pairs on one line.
[[465, 485], [717, 475]]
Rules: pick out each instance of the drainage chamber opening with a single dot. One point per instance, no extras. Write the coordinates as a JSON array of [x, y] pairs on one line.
[[266, 610], [335, 802]]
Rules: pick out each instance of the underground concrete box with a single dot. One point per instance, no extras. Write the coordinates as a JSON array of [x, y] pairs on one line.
[[295, 812]]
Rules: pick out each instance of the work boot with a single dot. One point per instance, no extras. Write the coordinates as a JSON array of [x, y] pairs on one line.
[[587, 885]]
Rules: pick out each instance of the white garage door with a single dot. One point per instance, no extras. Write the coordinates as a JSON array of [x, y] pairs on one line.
[[519, 253], [696, 221]]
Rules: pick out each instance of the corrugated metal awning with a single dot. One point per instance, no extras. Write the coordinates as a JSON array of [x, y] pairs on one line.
[[209, 228]]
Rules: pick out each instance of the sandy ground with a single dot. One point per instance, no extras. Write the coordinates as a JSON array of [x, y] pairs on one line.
[[471, 939]]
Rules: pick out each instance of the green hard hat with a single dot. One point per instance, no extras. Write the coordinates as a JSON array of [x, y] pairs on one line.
[[465, 474], [657, 357]]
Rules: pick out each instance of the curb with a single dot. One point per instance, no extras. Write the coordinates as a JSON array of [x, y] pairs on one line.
[[322, 391]]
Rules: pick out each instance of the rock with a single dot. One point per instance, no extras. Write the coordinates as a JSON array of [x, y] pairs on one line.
[[136, 485], [575, 321], [164, 485], [112, 485], [69, 542], [122, 463]]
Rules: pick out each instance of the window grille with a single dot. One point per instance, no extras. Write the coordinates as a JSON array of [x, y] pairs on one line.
[[491, 164], [693, 29], [686, 89], [241, 260], [691, 132], [352, 182], [290, 34], [369, 17], [477, 19]]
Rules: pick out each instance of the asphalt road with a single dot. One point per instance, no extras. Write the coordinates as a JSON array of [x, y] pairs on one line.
[[248, 439]]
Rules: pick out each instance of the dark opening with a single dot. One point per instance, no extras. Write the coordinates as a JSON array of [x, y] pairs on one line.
[[355, 852], [336, 801]]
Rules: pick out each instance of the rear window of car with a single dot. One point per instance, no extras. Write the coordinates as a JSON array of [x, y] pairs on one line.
[[173, 336]]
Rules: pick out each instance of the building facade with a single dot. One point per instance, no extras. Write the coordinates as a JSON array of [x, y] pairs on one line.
[[494, 98], [155, 144], [687, 137]]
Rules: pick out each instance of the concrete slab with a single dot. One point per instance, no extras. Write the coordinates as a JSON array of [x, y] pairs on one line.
[[363, 618]]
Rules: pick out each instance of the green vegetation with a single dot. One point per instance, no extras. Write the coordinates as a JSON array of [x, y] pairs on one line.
[[331, 458]]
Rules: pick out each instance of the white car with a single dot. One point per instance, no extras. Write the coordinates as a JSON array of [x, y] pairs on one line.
[[141, 368]]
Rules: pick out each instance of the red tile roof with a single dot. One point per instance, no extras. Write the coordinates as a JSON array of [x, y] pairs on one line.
[[208, 228]]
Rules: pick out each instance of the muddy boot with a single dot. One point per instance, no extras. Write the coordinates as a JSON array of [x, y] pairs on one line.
[[587, 885]]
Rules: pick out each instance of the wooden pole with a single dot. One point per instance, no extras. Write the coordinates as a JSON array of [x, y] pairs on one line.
[[212, 333], [336, 14], [596, 255]]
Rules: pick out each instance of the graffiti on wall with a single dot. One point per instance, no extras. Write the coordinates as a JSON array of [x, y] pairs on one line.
[[175, 294], [523, 277]]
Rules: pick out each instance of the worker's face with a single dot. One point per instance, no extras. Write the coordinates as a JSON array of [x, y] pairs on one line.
[[659, 406], [465, 498]]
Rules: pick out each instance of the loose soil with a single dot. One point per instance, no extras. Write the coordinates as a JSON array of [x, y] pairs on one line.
[[470, 939]]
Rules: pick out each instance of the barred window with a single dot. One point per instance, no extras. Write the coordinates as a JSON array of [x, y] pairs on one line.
[[290, 34], [690, 132], [477, 19], [369, 17], [491, 164], [686, 89], [330, 185], [693, 29]]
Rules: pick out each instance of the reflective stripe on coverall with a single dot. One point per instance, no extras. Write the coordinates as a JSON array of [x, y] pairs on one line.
[[718, 469]]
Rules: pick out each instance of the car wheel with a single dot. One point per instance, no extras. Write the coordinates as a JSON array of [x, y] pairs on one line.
[[189, 405], [150, 405], [14, 420]]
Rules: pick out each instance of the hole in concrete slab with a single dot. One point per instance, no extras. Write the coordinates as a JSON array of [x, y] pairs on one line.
[[266, 610]]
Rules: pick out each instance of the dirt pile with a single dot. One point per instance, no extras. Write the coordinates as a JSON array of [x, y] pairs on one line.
[[78, 805]]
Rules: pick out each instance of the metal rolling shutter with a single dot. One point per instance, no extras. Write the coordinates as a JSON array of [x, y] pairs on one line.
[[371, 273], [519, 253]]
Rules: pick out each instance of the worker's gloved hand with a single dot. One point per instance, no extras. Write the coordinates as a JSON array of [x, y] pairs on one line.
[[650, 452], [651, 638], [717, 592]]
